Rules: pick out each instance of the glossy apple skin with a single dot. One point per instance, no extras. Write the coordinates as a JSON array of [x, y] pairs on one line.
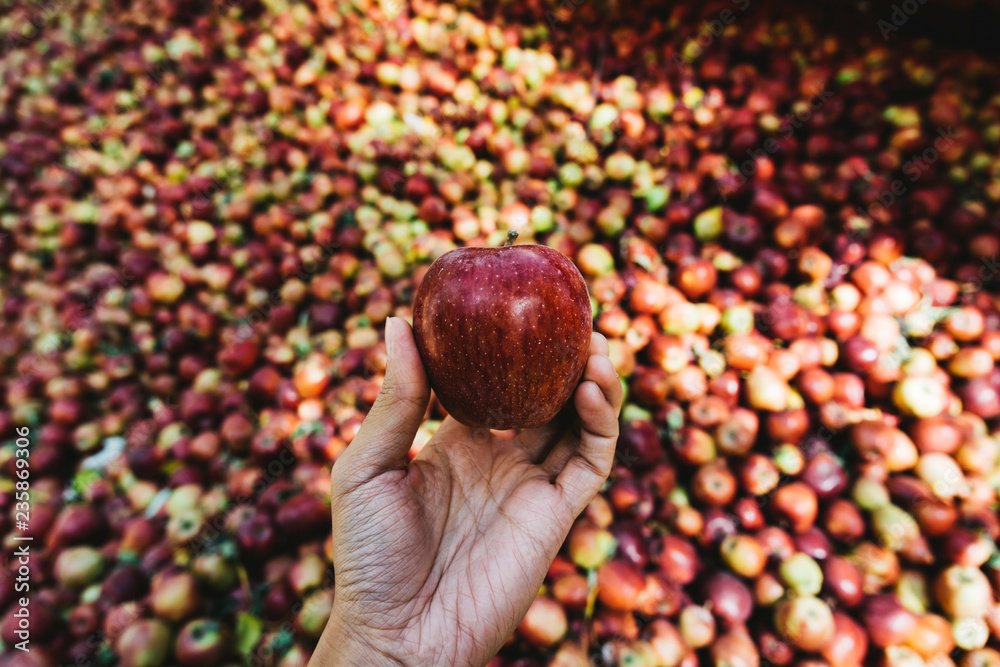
[[504, 333]]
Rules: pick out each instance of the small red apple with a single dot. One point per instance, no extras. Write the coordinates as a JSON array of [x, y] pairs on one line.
[[201, 643], [43, 621], [303, 515], [314, 614], [256, 536], [146, 643], [306, 574], [805, 622], [76, 524], [215, 571], [504, 333], [296, 656], [124, 583], [174, 596], [544, 624], [77, 567]]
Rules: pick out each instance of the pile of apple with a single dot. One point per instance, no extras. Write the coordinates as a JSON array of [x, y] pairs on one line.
[[790, 236]]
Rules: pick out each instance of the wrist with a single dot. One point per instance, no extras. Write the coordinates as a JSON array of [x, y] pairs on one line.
[[346, 644]]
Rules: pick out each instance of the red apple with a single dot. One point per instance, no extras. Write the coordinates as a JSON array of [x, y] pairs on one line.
[[126, 582], [146, 643], [728, 598], [296, 656], [888, 622], [43, 620], [314, 613], [504, 333], [278, 601], [35, 658], [77, 567], [174, 596], [76, 524], [735, 648], [215, 571], [639, 444], [256, 536], [544, 624], [805, 622], [303, 515], [619, 585], [850, 642], [201, 643]]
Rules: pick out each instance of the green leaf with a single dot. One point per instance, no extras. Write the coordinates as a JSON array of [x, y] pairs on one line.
[[675, 419], [105, 655], [227, 549], [307, 428], [129, 557], [84, 480], [657, 197], [249, 630]]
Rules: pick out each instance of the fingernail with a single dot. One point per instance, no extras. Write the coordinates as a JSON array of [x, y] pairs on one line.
[[388, 339]]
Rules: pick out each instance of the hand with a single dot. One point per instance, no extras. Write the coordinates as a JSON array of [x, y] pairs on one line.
[[437, 561]]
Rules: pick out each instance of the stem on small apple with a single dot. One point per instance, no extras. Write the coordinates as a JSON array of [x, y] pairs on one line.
[[511, 237]]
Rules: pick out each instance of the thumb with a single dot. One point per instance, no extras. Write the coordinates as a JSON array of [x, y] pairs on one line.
[[387, 433]]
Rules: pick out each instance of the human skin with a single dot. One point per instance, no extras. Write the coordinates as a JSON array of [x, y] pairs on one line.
[[437, 559]]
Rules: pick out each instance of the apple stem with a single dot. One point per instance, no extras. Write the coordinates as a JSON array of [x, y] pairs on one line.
[[511, 237]]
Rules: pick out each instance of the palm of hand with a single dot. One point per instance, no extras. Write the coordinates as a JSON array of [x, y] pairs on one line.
[[437, 561]]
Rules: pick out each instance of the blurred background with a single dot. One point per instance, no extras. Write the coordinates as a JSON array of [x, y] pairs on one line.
[[787, 217]]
